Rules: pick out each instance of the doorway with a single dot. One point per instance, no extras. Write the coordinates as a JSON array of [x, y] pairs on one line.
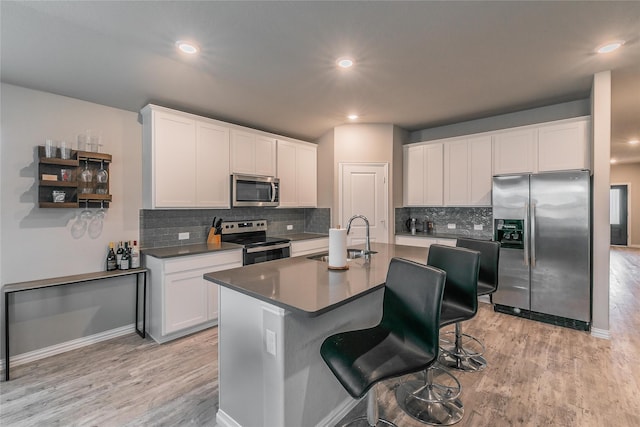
[[619, 217], [364, 190]]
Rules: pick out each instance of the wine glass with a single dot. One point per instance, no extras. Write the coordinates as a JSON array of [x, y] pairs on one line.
[[102, 177], [86, 177], [79, 227]]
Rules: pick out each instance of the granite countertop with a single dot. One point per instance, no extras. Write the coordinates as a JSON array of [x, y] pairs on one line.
[[482, 235], [195, 249], [307, 287], [302, 236]]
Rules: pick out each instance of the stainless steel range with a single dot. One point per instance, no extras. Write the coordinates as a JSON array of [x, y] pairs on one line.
[[252, 234]]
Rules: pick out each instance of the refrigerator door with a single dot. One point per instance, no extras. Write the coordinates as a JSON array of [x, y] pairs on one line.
[[513, 280], [560, 245], [510, 201]]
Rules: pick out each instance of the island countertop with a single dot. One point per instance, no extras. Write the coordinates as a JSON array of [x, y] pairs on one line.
[[308, 287]]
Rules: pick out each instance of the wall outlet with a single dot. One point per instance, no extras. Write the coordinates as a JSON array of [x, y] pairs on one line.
[[183, 236], [451, 226], [289, 227], [478, 227], [270, 341]]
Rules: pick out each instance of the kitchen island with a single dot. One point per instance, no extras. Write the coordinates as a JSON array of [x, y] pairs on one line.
[[273, 318]]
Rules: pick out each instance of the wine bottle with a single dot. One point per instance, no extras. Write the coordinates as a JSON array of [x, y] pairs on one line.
[[135, 255], [126, 257], [119, 254], [112, 261]]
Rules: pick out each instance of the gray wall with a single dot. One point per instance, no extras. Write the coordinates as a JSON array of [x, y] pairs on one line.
[[37, 243], [521, 118]]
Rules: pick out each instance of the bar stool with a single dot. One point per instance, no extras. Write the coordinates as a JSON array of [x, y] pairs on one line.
[[405, 341], [437, 402], [462, 351]]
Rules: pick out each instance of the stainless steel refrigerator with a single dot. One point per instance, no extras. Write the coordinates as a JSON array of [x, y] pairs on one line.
[[543, 222]]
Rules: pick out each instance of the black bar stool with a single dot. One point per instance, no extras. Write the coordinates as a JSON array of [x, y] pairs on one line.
[[435, 400], [462, 351], [405, 341]]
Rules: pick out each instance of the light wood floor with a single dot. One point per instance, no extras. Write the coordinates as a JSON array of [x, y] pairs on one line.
[[538, 375]]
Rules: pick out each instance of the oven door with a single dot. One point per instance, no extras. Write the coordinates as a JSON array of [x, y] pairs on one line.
[[258, 254]]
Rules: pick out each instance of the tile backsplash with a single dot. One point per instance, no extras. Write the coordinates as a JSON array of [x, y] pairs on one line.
[[160, 228], [463, 217]]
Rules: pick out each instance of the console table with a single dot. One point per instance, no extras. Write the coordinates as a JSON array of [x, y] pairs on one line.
[[13, 288]]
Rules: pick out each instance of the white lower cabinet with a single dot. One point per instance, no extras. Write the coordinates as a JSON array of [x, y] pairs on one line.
[[423, 242], [180, 300], [311, 246]]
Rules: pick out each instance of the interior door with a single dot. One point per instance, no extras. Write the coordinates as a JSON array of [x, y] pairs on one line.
[[618, 214], [364, 191]]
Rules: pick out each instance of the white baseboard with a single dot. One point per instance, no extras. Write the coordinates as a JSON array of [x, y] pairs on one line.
[[600, 333], [339, 413], [21, 359]]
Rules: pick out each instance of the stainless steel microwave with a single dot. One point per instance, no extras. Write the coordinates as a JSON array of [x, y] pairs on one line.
[[253, 190]]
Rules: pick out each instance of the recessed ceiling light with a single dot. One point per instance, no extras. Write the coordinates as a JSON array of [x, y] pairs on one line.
[[612, 161], [187, 47], [352, 117], [634, 142], [345, 62], [610, 46]]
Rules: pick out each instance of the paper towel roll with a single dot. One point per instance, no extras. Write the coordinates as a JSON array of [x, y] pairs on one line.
[[337, 247]]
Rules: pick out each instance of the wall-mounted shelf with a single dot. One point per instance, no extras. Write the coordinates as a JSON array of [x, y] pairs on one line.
[[64, 176]]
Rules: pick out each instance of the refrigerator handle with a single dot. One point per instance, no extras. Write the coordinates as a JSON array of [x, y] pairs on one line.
[[533, 234], [526, 234]]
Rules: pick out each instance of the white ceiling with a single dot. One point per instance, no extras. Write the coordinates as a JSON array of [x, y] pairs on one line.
[[271, 65]]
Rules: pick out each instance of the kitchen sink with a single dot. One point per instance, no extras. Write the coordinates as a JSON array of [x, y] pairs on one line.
[[351, 255]]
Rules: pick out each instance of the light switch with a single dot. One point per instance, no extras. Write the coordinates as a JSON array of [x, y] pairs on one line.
[[289, 227], [451, 226], [478, 227], [270, 338], [183, 236]]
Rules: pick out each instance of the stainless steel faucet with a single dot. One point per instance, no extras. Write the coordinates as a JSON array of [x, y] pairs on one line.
[[367, 245]]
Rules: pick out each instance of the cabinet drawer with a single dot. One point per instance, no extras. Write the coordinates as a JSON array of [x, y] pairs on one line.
[[194, 262], [306, 247]]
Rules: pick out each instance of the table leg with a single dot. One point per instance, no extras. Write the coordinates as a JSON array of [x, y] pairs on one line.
[[142, 332], [6, 337]]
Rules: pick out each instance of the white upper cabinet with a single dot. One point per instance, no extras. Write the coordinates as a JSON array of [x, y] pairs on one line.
[[252, 153], [297, 170], [212, 166], [554, 146], [468, 172], [515, 151], [564, 146], [423, 175], [185, 161]]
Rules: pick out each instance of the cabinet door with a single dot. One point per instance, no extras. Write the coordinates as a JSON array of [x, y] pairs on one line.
[[174, 167], [563, 147], [287, 174], [515, 152], [456, 173], [212, 166], [480, 170], [243, 152], [265, 156], [306, 247], [414, 182], [433, 194], [307, 176], [185, 301]]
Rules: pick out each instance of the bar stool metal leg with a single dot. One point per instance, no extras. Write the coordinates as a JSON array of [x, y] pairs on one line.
[[372, 419], [431, 402], [463, 352]]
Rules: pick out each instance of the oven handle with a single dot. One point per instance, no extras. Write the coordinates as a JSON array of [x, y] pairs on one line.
[[268, 248]]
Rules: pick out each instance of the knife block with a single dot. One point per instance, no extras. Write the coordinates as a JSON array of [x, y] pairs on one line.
[[213, 238]]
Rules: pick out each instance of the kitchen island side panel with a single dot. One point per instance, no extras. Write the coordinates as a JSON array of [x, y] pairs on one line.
[[292, 387]]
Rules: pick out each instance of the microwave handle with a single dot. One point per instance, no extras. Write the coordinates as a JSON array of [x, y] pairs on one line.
[[273, 192]]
